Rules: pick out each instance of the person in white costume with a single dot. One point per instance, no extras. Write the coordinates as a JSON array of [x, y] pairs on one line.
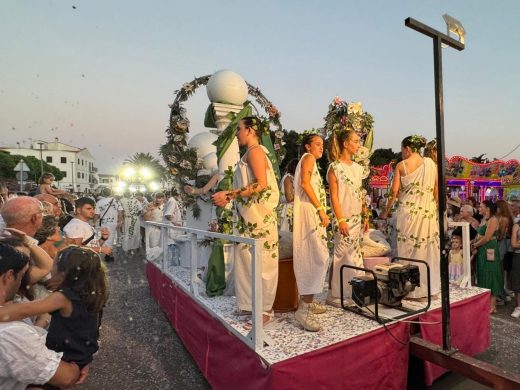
[[417, 226], [256, 199], [310, 252], [287, 198], [131, 226], [346, 194]]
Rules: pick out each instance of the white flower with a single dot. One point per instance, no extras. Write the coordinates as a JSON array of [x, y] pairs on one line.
[[178, 138], [355, 108], [185, 164], [362, 154], [356, 123], [278, 134]]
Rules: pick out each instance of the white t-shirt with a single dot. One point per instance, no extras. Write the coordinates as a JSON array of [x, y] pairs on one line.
[[171, 208], [110, 218], [77, 228], [24, 357]]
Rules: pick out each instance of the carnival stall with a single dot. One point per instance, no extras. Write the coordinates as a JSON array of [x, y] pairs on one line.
[[467, 178]]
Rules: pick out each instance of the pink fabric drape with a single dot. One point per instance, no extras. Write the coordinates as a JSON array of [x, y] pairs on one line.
[[372, 360], [470, 330]]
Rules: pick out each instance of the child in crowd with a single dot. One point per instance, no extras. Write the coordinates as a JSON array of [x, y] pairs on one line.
[[75, 307], [456, 263]]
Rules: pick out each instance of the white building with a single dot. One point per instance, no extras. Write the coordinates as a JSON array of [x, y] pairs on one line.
[[107, 180], [77, 163]]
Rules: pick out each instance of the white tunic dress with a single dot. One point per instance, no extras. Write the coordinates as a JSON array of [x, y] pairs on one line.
[[261, 212], [131, 227], [310, 252], [417, 224], [286, 208], [347, 249]]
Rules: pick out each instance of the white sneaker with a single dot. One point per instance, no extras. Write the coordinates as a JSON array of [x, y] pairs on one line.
[[336, 302], [507, 298], [516, 312], [500, 302], [317, 308], [304, 317]]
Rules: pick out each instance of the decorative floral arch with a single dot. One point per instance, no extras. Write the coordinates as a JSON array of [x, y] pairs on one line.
[[183, 161]]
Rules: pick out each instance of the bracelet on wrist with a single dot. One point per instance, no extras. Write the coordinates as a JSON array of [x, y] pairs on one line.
[[318, 209], [342, 220], [30, 242]]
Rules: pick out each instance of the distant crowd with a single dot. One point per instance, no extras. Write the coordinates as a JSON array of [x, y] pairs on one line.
[[53, 278]]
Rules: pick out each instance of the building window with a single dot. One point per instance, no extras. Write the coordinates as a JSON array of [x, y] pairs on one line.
[[64, 174], [64, 160], [48, 159], [82, 175], [79, 175], [78, 161]]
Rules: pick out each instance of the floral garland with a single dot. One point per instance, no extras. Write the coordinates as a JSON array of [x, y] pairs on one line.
[[181, 160], [350, 116]]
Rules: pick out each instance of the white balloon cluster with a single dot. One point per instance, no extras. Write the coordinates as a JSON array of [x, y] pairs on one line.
[[206, 151]]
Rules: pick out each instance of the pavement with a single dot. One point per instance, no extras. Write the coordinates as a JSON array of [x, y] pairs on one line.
[[139, 349]]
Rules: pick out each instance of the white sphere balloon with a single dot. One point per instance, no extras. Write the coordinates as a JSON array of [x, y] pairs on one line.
[[210, 161], [203, 143], [226, 86]]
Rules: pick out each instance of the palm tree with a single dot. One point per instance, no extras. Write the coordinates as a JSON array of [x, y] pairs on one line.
[[147, 160]]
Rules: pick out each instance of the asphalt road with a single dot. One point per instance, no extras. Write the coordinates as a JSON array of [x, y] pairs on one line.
[[139, 349]]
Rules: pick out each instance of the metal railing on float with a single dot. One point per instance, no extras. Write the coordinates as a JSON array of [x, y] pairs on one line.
[[256, 338], [465, 281]]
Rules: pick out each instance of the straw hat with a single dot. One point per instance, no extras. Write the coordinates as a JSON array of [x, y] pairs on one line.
[[455, 201]]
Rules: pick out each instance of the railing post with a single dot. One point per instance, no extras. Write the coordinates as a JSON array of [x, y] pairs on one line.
[[256, 285], [164, 238], [194, 259]]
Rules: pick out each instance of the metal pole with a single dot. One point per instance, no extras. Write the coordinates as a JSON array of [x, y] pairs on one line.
[[72, 174], [441, 162], [41, 158], [438, 39]]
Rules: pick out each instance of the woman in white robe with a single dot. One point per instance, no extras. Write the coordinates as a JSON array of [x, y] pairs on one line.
[[310, 251], [256, 198], [417, 226], [346, 193], [286, 206], [131, 227]]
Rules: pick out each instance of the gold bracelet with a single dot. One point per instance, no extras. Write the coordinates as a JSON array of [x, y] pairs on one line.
[[320, 208], [341, 220]]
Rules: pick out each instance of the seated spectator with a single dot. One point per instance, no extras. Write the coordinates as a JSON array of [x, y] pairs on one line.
[[75, 307], [82, 232], [46, 186], [55, 202], [466, 215], [23, 216], [25, 358]]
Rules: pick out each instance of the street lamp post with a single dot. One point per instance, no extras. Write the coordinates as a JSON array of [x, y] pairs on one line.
[[72, 174], [41, 158]]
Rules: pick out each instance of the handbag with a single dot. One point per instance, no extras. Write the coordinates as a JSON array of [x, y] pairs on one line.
[[490, 254]]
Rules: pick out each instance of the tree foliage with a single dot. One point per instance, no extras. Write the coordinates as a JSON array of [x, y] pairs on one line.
[[9, 161], [383, 156], [147, 160]]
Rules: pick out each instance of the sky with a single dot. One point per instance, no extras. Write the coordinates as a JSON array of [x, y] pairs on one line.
[[101, 74]]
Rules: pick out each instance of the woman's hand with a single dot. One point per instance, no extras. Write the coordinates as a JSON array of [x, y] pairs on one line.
[[189, 190], [366, 226], [343, 228], [325, 220], [221, 198]]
